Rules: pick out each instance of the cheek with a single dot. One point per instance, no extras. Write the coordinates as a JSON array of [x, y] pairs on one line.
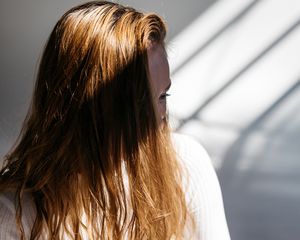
[[161, 112], [162, 108]]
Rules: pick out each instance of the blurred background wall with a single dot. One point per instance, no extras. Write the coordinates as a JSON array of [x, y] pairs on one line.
[[236, 76]]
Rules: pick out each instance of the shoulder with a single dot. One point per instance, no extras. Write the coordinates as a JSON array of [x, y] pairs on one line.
[[202, 188], [197, 165], [190, 151], [8, 228], [7, 217], [195, 161]]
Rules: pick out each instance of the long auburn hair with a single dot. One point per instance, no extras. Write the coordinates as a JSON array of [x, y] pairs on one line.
[[91, 120]]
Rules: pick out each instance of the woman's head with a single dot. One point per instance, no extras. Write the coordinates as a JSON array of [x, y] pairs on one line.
[[98, 110], [96, 60]]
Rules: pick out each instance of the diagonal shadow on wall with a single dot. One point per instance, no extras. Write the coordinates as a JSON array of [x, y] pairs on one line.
[[242, 71], [228, 169], [217, 34]]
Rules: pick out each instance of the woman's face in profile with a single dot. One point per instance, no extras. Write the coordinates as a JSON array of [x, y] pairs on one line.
[[159, 78]]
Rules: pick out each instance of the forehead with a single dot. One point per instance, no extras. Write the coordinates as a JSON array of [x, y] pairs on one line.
[[157, 56], [158, 68]]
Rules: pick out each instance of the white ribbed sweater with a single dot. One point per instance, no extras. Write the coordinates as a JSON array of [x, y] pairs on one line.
[[203, 193]]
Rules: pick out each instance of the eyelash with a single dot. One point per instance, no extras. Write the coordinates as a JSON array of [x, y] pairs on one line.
[[164, 96]]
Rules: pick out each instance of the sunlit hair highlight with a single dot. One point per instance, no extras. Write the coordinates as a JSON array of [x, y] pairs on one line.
[[91, 120]]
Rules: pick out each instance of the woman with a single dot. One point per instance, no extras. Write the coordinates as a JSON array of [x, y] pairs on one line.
[[95, 158]]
